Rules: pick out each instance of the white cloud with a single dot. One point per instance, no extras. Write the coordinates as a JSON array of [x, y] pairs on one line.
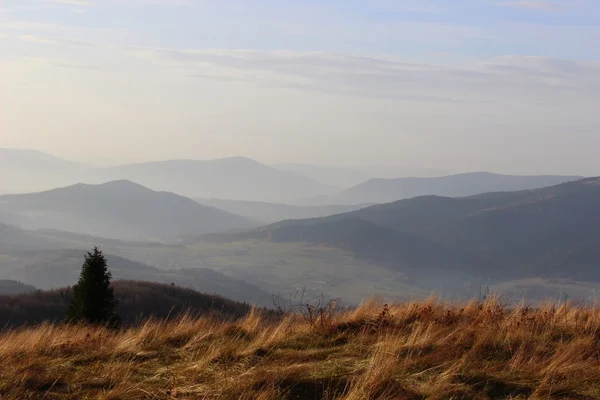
[[60, 41], [39, 39], [27, 25], [496, 80]]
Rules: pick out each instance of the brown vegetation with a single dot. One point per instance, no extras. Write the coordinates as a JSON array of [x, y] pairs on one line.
[[426, 350], [137, 301]]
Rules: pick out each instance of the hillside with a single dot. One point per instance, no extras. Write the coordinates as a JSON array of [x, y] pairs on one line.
[[10, 287], [119, 209], [485, 239], [366, 240], [522, 235], [389, 190], [271, 212], [59, 268], [137, 301], [513, 234], [427, 350], [415, 265]]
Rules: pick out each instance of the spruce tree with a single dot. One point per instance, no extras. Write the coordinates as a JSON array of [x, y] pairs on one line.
[[93, 299]]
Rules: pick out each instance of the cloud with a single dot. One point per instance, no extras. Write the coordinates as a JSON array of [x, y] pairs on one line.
[[542, 5], [539, 5], [490, 81], [74, 2], [59, 41], [27, 25], [39, 39]]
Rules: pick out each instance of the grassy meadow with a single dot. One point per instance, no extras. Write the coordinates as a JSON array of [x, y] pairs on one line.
[[413, 350]]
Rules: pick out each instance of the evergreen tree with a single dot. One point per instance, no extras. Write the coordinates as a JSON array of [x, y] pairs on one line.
[[93, 299]]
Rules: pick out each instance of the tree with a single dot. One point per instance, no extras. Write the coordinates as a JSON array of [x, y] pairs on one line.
[[93, 299]]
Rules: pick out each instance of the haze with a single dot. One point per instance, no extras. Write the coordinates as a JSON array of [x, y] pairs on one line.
[[502, 86]]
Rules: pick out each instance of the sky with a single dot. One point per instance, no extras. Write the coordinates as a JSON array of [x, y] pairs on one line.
[[507, 86]]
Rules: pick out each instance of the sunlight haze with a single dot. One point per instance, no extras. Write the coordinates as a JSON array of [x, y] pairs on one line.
[[454, 86]]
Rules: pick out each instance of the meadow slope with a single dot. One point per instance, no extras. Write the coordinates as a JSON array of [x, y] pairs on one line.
[[426, 350]]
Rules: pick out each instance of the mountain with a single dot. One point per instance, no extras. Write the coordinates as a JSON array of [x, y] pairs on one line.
[[388, 190], [346, 177], [331, 176], [271, 212], [523, 236], [24, 170], [119, 209], [513, 234], [136, 301], [236, 178], [423, 263]]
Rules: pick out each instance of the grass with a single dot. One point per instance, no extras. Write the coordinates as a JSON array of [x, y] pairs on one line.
[[426, 350]]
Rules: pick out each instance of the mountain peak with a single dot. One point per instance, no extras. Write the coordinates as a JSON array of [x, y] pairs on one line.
[[122, 184]]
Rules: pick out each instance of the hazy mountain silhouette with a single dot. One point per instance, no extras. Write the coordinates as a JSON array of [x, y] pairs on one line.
[[119, 209], [272, 212], [346, 177], [388, 190], [23, 170], [236, 178], [340, 177]]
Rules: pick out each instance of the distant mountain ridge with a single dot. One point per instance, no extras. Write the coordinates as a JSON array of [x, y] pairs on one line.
[[461, 185], [118, 209], [24, 170], [236, 178], [273, 212]]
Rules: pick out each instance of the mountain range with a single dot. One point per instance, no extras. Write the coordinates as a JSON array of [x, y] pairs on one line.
[[244, 179], [461, 185], [236, 178], [552, 232], [267, 213], [452, 233], [119, 209]]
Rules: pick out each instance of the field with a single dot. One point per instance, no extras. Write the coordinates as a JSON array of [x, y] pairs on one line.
[[425, 350], [285, 267]]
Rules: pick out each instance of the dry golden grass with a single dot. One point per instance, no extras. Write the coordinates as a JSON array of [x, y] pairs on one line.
[[426, 350]]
